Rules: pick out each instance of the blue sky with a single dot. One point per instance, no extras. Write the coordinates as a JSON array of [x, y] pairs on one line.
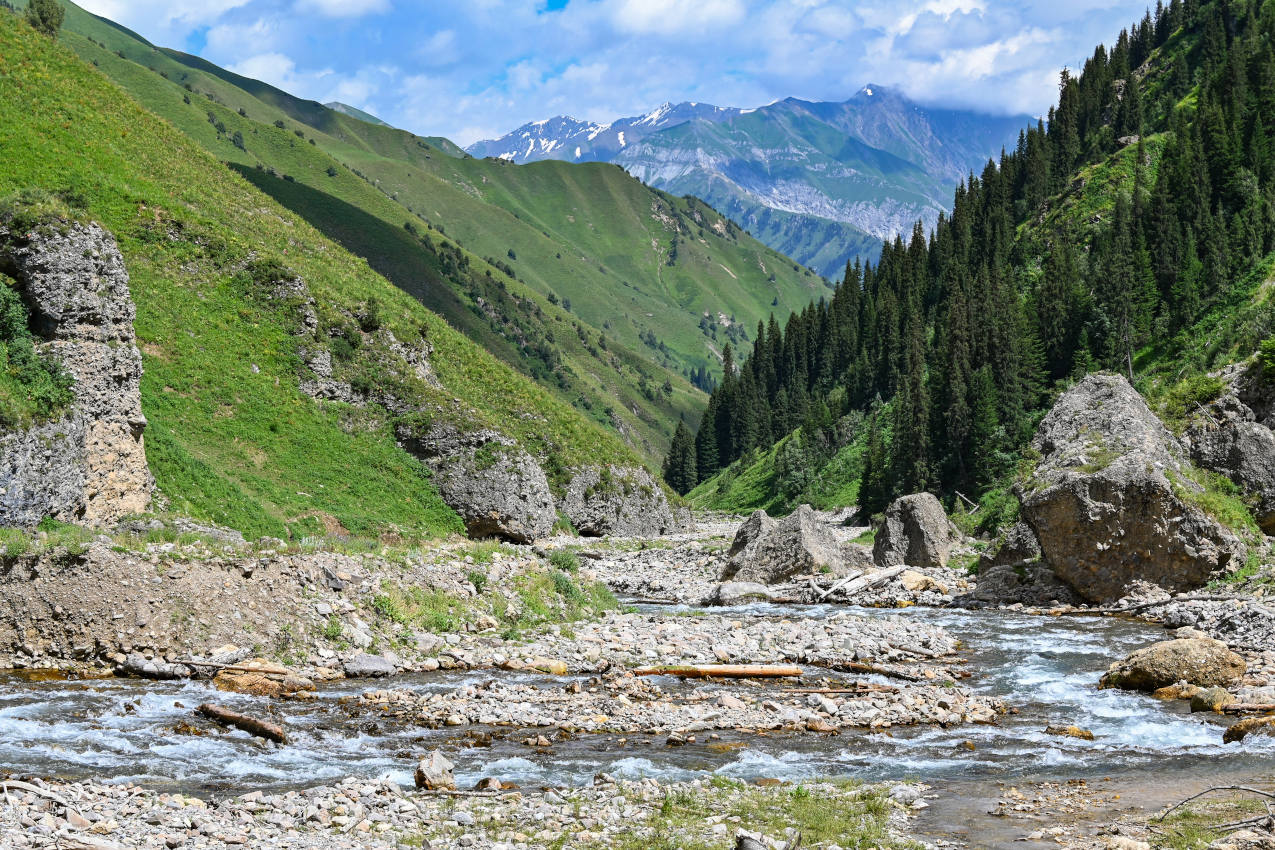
[[479, 68]]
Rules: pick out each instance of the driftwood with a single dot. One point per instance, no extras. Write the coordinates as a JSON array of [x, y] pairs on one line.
[[872, 669], [1182, 803], [854, 584], [721, 671], [251, 725], [1248, 708], [17, 785]]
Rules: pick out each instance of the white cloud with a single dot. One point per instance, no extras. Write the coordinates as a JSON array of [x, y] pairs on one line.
[[674, 17], [343, 8]]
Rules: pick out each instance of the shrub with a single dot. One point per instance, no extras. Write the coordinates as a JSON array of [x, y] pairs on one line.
[[46, 16], [565, 560]]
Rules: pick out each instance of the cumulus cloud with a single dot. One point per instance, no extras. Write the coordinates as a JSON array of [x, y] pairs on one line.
[[481, 68]]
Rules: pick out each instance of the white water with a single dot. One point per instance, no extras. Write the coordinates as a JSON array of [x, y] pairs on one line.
[[1045, 667]]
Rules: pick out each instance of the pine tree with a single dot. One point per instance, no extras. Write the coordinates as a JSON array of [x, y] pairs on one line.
[[680, 463]]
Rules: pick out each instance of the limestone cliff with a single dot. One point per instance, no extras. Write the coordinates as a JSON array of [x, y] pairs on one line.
[[89, 466]]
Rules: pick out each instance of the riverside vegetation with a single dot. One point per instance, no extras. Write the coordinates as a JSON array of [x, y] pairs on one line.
[[238, 461]]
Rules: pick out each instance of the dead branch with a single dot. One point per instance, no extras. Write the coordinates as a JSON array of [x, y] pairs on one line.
[[251, 725]]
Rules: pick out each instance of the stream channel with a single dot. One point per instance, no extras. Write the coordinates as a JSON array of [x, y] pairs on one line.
[[1045, 667]]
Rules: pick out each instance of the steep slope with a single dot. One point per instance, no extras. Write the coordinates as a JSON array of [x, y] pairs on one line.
[[820, 182], [354, 112], [1135, 233], [221, 274], [628, 369]]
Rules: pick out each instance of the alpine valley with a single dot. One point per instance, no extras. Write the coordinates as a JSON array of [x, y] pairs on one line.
[[359, 491]]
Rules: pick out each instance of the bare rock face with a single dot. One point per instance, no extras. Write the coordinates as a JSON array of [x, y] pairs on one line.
[[766, 552], [1232, 436], [90, 466], [622, 501], [1016, 545], [1204, 662], [1103, 502], [497, 488], [916, 532]]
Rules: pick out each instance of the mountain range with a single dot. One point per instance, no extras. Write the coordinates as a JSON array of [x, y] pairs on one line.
[[822, 182]]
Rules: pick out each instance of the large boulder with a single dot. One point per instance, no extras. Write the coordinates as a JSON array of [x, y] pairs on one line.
[[916, 532], [261, 677], [1109, 501], [766, 552], [620, 501], [89, 465], [1016, 546], [1204, 662], [1232, 436], [497, 488], [737, 593], [434, 773]]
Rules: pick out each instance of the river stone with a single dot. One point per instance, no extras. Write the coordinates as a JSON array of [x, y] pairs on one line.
[[1199, 661], [617, 501], [497, 488], [773, 551], [1232, 436], [1249, 726], [737, 593], [1016, 545], [434, 773], [89, 465], [1211, 699], [916, 532], [364, 666], [1104, 500]]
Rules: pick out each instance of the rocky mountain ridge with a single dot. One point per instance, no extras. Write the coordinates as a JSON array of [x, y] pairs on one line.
[[801, 176]]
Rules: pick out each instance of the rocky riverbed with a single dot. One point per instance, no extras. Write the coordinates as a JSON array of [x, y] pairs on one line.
[[885, 692]]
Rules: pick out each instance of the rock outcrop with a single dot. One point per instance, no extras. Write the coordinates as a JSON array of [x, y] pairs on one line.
[[765, 551], [497, 488], [1104, 502], [620, 501], [89, 466], [1232, 436], [916, 532], [1204, 662]]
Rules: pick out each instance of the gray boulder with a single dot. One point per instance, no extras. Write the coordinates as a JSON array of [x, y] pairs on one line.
[[89, 466], [1232, 436], [434, 773], [916, 532], [621, 501], [767, 552], [737, 593], [497, 488], [364, 666], [1109, 501], [1016, 545]]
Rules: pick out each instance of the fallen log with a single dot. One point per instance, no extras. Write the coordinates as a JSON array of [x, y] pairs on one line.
[[861, 667], [721, 671], [864, 582], [1248, 708], [864, 688], [251, 725]]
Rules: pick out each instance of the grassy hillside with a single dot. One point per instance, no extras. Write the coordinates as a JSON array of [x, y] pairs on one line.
[[231, 438], [590, 238]]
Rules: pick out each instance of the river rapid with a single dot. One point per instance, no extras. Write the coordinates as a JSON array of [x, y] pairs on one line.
[[1045, 668]]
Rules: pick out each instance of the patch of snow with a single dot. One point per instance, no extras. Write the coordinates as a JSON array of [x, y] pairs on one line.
[[868, 91], [622, 143], [598, 129]]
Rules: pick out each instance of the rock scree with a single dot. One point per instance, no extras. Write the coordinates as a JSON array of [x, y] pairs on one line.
[[89, 466], [916, 532], [765, 551], [1104, 501]]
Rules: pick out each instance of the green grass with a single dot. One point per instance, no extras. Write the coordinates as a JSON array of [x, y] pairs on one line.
[[1221, 499], [824, 813], [231, 439], [585, 234], [1197, 825]]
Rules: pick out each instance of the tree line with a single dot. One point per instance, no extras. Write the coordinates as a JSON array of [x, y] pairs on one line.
[[951, 342]]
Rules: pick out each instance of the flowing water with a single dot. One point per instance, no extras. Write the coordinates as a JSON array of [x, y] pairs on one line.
[[1044, 667]]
